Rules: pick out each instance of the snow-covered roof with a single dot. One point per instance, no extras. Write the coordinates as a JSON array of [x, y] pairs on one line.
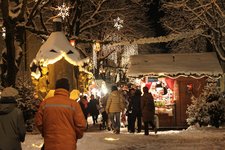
[[55, 48], [188, 64]]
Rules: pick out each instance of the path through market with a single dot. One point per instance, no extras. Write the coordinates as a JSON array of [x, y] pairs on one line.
[[193, 138]]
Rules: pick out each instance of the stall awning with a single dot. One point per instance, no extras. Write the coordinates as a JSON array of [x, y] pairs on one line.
[[174, 65]]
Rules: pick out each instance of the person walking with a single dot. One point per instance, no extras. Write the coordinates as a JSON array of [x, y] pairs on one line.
[[105, 123], [92, 105], [84, 107], [115, 105], [148, 110], [60, 119], [12, 126], [129, 112], [136, 111]]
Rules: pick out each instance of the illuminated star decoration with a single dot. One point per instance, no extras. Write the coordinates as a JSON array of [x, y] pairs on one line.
[[63, 11], [118, 23], [3, 32]]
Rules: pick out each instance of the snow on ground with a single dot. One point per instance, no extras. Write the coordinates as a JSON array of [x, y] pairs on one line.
[[193, 138]]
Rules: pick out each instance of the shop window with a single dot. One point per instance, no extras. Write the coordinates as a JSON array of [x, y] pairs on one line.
[[162, 91]]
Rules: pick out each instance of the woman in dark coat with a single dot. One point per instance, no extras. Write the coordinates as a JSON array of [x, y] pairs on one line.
[[148, 110]]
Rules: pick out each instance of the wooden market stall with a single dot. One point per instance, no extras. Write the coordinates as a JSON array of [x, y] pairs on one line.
[[173, 79]]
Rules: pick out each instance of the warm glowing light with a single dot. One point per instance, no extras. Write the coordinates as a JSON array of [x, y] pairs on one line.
[[111, 139], [75, 94], [104, 89], [97, 47], [50, 94], [36, 74], [72, 42], [37, 146]]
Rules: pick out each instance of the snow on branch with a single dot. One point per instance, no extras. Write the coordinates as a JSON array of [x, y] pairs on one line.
[[161, 39], [14, 9]]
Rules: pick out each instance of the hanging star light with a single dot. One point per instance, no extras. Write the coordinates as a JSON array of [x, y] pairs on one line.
[[118, 23], [63, 11]]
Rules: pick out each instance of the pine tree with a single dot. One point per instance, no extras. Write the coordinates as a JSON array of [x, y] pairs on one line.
[[208, 108], [216, 109], [26, 99]]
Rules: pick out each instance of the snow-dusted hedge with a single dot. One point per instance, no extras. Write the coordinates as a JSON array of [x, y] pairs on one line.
[[208, 108]]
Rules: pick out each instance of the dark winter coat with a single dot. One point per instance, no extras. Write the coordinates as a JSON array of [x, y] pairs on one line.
[[84, 108], [12, 127], [92, 106], [136, 103], [147, 107], [61, 121]]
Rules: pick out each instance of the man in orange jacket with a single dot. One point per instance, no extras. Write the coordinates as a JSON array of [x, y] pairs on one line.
[[60, 119]]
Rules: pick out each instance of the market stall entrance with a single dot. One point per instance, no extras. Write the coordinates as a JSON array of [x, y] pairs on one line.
[[173, 79]]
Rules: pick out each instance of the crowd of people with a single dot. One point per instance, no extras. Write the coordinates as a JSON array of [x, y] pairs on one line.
[[126, 108], [62, 121]]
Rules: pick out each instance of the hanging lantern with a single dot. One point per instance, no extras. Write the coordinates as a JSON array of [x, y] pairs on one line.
[[97, 46], [72, 42]]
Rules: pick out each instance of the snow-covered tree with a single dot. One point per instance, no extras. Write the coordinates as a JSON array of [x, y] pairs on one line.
[[13, 13], [189, 15], [86, 21], [216, 109], [198, 111], [208, 108]]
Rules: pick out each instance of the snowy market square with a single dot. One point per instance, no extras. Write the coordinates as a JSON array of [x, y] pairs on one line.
[[194, 138]]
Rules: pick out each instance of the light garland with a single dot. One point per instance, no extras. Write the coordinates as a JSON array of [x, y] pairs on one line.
[[129, 50], [63, 11], [94, 59], [118, 23], [96, 46], [117, 49]]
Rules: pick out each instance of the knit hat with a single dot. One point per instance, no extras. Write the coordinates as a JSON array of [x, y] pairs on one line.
[[8, 95], [62, 83], [9, 92]]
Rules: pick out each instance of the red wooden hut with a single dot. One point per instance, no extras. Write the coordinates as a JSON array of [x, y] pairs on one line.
[[173, 79]]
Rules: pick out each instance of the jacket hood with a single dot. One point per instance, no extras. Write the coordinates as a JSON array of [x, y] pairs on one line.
[[7, 104], [6, 108]]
